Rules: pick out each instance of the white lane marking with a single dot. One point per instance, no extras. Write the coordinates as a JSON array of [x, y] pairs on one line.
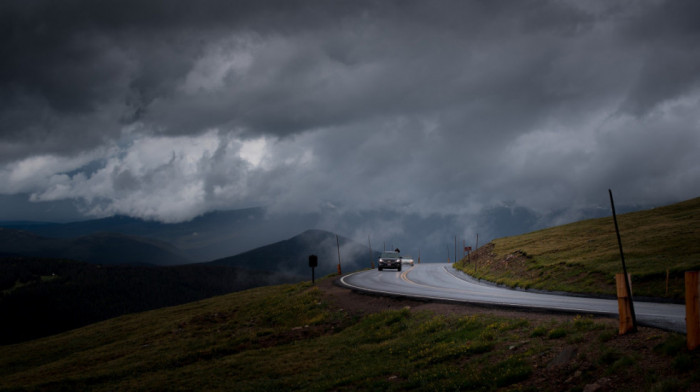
[[374, 290]]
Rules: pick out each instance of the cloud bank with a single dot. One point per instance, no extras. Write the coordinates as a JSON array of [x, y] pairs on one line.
[[166, 110]]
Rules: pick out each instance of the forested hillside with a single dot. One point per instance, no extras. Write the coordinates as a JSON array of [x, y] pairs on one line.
[[46, 296]]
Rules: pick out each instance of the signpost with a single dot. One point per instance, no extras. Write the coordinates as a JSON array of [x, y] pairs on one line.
[[313, 263]]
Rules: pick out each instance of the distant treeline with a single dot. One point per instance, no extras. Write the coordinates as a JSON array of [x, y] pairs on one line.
[[41, 297]]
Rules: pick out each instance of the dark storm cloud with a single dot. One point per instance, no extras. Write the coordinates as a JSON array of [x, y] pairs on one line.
[[169, 109], [93, 66], [318, 63], [669, 60]]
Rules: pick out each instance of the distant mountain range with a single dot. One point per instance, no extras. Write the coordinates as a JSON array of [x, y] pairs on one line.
[[292, 255], [205, 238], [98, 248], [221, 234], [208, 237]]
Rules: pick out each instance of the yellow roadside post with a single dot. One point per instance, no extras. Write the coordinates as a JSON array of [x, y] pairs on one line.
[[624, 304]]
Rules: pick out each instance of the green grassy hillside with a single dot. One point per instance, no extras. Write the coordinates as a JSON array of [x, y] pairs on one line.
[[584, 256], [292, 338]]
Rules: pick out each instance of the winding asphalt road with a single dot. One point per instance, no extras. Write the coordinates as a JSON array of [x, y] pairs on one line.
[[441, 282]]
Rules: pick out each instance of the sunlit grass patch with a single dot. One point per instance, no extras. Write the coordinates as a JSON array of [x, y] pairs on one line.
[[539, 331], [556, 333], [509, 371], [584, 256]]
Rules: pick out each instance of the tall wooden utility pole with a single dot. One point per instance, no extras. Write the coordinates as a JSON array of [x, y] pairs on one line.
[[337, 241], [476, 248], [624, 267]]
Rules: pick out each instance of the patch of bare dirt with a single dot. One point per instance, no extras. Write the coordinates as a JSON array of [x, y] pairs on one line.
[[514, 267]]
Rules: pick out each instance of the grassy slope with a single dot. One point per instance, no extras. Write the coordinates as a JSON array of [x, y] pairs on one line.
[[288, 337], [584, 256]]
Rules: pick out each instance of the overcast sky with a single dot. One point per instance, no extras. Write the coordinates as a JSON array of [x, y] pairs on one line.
[[168, 109]]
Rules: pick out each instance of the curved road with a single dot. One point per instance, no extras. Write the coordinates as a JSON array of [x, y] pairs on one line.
[[439, 281]]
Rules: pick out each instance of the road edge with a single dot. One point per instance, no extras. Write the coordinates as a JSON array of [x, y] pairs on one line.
[[340, 282]]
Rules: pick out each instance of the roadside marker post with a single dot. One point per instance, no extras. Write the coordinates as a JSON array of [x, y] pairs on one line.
[[624, 304], [692, 310]]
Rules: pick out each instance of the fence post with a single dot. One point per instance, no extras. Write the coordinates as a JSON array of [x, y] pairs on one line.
[[692, 311], [624, 304]]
